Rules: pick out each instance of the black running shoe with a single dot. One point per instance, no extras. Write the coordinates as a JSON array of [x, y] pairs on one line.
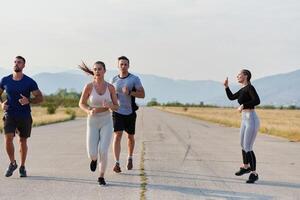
[[93, 165], [11, 168], [101, 181], [242, 171], [22, 171], [252, 178], [117, 168], [129, 164]]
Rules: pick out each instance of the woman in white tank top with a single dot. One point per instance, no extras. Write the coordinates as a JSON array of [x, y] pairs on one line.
[[97, 98]]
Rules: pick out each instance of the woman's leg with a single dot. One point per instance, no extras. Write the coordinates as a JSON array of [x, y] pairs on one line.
[[245, 167], [242, 139], [106, 133], [250, 135], [92, 138]]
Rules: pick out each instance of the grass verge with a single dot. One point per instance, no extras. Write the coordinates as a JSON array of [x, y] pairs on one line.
[[143, 174], [282, 123]]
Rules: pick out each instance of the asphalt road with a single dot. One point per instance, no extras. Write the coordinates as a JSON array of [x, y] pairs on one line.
[[183, 158]]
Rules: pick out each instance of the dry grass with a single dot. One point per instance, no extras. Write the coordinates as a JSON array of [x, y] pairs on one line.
[[40, 116], [283, 123]]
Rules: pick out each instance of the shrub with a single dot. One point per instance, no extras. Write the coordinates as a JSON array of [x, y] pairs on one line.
[[71, 112], [51, 108]]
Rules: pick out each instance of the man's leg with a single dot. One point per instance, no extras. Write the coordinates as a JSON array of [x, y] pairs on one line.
[[23, 150], [130, 130], [117, 145], [117, 150], [24, 131], [130, 144], [9, 146]]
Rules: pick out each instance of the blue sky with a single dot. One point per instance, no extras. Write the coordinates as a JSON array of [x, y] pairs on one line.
[[190, 39]]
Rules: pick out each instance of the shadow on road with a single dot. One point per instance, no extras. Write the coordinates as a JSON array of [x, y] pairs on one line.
[[194, 176], [199, 192], [110, 182], [61, 179]]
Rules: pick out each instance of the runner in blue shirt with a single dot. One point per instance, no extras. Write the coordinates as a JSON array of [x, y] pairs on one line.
[[17, 113]]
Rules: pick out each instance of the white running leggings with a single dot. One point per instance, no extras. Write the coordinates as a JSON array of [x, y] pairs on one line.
[[249, 128], [99, 134]]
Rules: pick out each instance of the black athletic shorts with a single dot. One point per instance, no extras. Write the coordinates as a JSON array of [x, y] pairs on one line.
[[19, 125], [124, 122]]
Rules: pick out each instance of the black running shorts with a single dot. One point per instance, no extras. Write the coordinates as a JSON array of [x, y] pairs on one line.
[[19, 125], [124, 122]]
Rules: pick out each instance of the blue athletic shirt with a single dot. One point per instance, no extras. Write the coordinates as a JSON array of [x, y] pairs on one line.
[[131, 81], [13, 90]]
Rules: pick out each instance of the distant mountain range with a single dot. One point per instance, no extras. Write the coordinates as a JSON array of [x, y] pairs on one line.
[[281, 89]]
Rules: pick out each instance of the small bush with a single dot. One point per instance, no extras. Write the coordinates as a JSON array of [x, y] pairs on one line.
[[71, 112], [51, 109]]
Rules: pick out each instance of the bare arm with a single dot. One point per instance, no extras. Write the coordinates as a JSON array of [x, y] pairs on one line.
[[114, 106], [84, 97], [139, 93], [1, 91], [38, 97], [3, 103]]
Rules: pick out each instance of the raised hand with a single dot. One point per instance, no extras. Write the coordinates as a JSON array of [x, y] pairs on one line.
[[24, 100], [226, 82]]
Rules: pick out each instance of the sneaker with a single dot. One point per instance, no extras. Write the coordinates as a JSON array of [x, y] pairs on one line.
[[242, 171], [117, 168], [93, 165], [22, 171], [129, 164], [11, 168], [101, 181], [252, 178]]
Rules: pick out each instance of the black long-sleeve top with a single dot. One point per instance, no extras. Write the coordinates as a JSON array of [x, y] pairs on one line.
[[246, 96]]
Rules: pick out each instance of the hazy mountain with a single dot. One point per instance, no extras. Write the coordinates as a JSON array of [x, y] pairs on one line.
[[4, 72], [163, 89], [281, 89]]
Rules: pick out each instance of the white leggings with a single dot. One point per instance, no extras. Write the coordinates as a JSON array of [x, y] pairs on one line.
[[98, 137], [249, 128]]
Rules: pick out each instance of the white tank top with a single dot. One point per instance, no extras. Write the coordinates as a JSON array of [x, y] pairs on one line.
[[96, 100]]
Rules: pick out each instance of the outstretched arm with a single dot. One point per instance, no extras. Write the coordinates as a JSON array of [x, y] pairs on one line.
[[228, 91]]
